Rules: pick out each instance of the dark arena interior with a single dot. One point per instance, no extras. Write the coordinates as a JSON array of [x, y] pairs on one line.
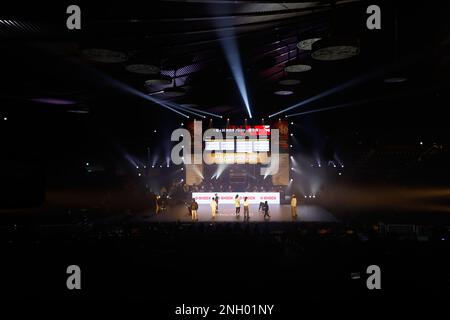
[[131, 132]]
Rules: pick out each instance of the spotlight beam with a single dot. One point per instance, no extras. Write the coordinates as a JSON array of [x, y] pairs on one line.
[[362, 101], [178, 107], [353, 82], [231, 50], [349, 104], [201, 111], [102, 79]]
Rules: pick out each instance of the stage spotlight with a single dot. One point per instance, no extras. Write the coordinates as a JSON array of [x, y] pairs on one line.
[[231, 50], [182, 124], [5, 118], [314, 196], [154, 131], [340, 173], [306, 197], [292, 134], [182, 180], [292, 180], [87, 163], [153, 166], [137, 167], [182, 169], [421, 143], [292, 123], [310, 196], [139, 174], [320, 165], [291, 145]]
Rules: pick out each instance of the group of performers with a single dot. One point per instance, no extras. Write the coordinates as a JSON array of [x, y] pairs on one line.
[[263, 207]]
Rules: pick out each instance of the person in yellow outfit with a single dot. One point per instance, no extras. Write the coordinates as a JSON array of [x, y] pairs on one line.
[[237, 203], [294, 206], [194, 208], [213, 207]]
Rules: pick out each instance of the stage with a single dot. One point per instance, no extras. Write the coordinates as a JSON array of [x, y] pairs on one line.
[[278, 213]]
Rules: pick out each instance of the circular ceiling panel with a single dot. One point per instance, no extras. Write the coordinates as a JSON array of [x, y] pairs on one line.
[[142, 68], [158, 82], [307, 43], [174, 92], [297, 68], [283, 92], [335, 53], [289, 82], [395, 80], [104, 55]]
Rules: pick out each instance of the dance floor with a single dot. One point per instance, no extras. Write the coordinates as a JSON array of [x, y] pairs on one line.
[[278, 213]]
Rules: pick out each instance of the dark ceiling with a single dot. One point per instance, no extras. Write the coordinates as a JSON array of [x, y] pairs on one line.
[[46, 71]]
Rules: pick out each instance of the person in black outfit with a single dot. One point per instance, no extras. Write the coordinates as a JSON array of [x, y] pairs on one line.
[[266, 210], [216, 198], [261, 206]]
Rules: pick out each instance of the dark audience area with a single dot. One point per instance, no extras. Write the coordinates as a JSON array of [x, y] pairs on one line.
[[239, 261]]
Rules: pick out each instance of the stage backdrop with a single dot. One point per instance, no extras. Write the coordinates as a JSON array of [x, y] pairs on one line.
[[228, 197]]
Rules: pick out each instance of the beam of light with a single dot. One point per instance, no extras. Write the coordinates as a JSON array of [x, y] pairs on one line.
[[126, 155], [338, 159], [197, 171], [231, 50], [351, 83], [201, 111], [220, 169], [154, 161], [343, 105], [102, 78], [179, 107], [140, 94]]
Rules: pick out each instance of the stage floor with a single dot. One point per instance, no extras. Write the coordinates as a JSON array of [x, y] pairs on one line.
[[278, 213]]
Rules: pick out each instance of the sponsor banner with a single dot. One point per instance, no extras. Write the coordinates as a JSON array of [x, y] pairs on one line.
[[228, 197]]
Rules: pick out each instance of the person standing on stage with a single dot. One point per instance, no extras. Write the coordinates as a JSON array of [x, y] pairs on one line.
[[213, 207], [266, 210], [246, 211], [194, 208], [237, 203], [216, 198], [294, 206]]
